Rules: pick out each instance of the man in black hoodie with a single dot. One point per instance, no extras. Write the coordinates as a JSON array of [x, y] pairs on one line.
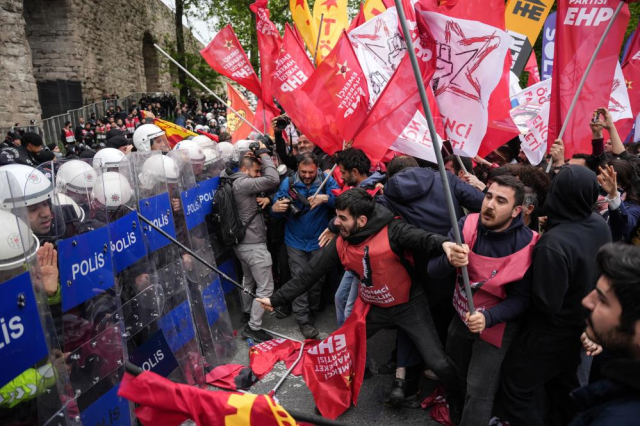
[[373, 243], [547, 352]]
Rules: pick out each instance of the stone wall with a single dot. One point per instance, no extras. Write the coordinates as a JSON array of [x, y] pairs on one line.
[[107, 46], [19, 102]]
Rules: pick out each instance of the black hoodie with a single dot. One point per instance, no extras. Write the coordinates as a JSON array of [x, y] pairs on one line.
[[564, 267], [402, 237]]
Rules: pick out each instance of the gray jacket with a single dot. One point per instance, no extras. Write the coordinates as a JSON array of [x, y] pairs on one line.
[[245, 191]]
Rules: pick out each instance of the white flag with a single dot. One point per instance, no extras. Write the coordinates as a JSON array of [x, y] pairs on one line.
[[470, 59], [532, 118], [415, 139], [619, 104]]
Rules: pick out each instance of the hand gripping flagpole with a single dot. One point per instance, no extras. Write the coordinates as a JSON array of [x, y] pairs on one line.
[[436, 147], [206, 88], [586, 74], [201, 260]]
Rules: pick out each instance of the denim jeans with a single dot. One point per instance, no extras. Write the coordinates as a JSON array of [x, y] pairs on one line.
[[346, 296], [414, 318], [478, 365]]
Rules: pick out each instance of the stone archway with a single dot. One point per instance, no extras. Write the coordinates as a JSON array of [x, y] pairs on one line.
[[151, 63]]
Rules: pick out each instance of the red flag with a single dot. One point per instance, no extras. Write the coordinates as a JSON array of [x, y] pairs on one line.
[[358, 20], [162, 402], [225, 55], [269, 44], [333, 103], [396, 107], [631, 71], [209, 135], [578, 31], [237, 128], [334, 368], [231, 376], [264, 356], [532, 68]]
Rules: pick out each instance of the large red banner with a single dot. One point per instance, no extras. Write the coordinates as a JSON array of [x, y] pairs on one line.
[[579, 28]]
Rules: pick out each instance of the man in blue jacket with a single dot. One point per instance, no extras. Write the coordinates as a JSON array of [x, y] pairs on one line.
[[307, 216]]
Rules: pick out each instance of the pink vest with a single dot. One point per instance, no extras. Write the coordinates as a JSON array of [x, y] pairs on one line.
[[488, 277]]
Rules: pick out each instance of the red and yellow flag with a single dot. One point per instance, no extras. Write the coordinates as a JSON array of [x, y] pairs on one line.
[[304, 23], [237, 128], [334, 21], [175, 133], [372, 8], [162, 402]]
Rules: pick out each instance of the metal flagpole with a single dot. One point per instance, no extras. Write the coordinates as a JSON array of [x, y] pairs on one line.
[[315, 56], [436, 146], [464, 169], [206, 88], [324, 182], [586, 74], [200, 259]]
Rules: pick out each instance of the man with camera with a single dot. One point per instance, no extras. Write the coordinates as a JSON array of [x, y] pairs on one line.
[[307, 215], [253, 177], [282, 124]]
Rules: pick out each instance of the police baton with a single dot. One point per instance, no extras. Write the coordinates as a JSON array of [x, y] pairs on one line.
[[198, 258], [436, 145]]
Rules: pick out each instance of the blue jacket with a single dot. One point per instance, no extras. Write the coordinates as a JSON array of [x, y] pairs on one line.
[[623, 221], [614, 401], [302, 232], [416, 195]]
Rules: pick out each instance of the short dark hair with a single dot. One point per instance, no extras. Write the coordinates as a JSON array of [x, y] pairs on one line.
[[248, 161], [354, 158], [513, 183], [468, 164], [498, 171], [357, 201], [308, 158], [399, 163], [620, 264], [31, 138]]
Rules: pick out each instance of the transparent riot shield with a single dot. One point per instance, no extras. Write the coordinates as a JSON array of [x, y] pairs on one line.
[[34, 381], [207, 297], [169, 344], [87, 317]]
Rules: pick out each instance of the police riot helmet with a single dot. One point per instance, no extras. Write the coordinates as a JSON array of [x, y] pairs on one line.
[[33, 187]]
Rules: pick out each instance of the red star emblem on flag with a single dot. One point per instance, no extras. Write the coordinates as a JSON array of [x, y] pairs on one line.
[[455, 72], [330, 3], [300, 3], [228, 44]]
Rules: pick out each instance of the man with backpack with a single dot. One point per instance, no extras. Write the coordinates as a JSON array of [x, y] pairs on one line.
[[307, 216], [242, 225]]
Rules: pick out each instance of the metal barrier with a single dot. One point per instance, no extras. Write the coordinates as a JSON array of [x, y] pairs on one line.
[[5, 130], [51, 128]]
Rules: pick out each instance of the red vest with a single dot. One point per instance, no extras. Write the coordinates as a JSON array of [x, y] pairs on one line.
[[68, 136], [101, 132], [488, 278], [385, 282], [130, 125]]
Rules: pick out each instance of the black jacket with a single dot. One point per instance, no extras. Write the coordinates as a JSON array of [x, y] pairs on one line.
[[564, 268], [614, 401], [402, 237], [496, 244], [325, 161]]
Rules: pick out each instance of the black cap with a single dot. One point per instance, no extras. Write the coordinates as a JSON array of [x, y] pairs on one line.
[[117, 142], [114, 132], [52, 146], [31, 138]]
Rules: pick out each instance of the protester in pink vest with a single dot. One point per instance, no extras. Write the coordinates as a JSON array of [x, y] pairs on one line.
[[501, 252]]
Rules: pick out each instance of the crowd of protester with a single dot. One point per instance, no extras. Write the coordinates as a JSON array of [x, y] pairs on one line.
[[551, 258], [535, 242]]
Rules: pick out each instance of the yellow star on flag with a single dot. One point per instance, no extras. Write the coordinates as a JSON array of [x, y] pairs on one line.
[[343, 69], [629, 84]]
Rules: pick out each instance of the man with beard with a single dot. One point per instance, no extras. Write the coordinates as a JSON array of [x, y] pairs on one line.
[[546, 354], [307, 215], [501, 252], [371, 235], [290, 159], [613, 324]]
